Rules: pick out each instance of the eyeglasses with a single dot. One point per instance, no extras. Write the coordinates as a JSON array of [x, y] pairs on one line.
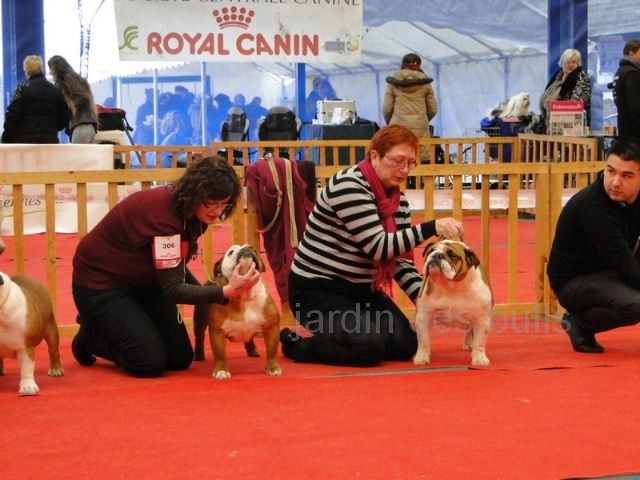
[[401, 163], [217, 206]]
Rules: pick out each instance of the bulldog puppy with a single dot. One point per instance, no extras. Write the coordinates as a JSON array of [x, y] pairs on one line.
[[455, 291], [26, 318], [242, 318]]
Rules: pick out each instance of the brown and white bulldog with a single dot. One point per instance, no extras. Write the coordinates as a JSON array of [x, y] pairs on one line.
[[242, 318], [26, 318], [455, 291]]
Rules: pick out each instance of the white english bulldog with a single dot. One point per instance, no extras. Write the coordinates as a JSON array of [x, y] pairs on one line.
[[455, 291], [26, 318]]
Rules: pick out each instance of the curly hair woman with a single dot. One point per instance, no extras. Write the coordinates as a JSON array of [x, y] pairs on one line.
[[130, 271]]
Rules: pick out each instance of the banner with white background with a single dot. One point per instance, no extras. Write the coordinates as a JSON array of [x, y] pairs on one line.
[[316, 31]]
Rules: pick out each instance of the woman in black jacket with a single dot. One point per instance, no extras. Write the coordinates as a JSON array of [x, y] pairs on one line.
[[37, 111], [570, 82]]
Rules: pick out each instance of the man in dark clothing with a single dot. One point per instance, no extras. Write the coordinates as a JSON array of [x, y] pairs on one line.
[[594, 267], [37, 111], [626, 91]]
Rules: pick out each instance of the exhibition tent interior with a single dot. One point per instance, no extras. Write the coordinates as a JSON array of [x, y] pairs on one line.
[[479, 53]]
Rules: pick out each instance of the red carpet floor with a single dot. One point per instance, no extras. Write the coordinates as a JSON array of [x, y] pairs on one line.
[[540, 411]]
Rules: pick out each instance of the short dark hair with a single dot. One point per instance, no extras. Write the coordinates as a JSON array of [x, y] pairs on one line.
[[411, 58], [626, 148], [631, 46]]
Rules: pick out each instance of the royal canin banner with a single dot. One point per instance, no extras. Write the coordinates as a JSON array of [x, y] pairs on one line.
[[317, 31]]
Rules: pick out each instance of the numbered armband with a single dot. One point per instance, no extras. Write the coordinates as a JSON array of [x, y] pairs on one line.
[[167, 251]]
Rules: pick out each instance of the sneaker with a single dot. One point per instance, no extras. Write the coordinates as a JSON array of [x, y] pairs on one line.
[[83, 355], [583, 341]]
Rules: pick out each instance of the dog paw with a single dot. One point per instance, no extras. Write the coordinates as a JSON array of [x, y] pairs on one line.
[[421, 358], [274, 371], [222, 374], [480, 360], [28, 387], [56, 372]]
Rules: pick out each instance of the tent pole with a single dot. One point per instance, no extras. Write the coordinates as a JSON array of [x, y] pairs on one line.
[[203, 112]]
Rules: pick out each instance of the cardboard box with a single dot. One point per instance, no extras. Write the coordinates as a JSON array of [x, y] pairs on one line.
[[567, 118]]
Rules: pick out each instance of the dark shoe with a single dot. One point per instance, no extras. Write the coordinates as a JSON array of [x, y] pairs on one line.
[[583, 341], [81, 352]]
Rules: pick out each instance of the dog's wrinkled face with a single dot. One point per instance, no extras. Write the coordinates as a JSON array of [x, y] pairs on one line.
[[450, 259], [244, 255]]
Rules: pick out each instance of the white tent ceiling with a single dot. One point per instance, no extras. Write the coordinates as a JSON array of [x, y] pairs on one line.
[[477, 51]]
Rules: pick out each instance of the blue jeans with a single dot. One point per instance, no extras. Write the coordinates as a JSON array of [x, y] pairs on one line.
[[141, 331], [600, 301]]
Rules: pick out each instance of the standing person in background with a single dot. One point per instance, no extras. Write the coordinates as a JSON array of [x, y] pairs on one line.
[[37, 111], [409, 100], [322, 90], [570, 82], [255, 111], [83, 125], [626, 91], [597, 104]]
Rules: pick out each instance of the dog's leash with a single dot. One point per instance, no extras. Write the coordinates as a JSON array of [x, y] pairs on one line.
[[289, 191], [276, 181]]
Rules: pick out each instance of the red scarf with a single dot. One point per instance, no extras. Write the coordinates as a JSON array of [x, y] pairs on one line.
[[388, 202]]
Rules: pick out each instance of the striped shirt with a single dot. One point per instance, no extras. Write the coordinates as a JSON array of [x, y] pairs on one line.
[[344, 237]]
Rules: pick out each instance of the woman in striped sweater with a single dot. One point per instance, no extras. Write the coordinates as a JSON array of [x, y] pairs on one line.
[[358, 240]]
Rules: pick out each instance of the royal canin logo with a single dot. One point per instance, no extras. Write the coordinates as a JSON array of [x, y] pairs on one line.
[[233, 17]]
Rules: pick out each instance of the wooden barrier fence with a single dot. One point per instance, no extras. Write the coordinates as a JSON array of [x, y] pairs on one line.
[[465, 183]]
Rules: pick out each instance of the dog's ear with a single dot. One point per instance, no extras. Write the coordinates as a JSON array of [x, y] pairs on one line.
[[260, 264], [428, 246], [472, 258], [217, 269], [257, 259]]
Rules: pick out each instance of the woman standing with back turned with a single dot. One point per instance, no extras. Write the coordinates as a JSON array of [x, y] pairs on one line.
[[409, 99], [77, 92]]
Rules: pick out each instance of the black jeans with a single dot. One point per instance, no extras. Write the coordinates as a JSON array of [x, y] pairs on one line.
[[139, 330], [601, 301], [351, 324]]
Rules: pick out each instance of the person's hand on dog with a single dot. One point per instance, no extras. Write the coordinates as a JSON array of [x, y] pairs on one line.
[[240, 283], [449, 228]]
